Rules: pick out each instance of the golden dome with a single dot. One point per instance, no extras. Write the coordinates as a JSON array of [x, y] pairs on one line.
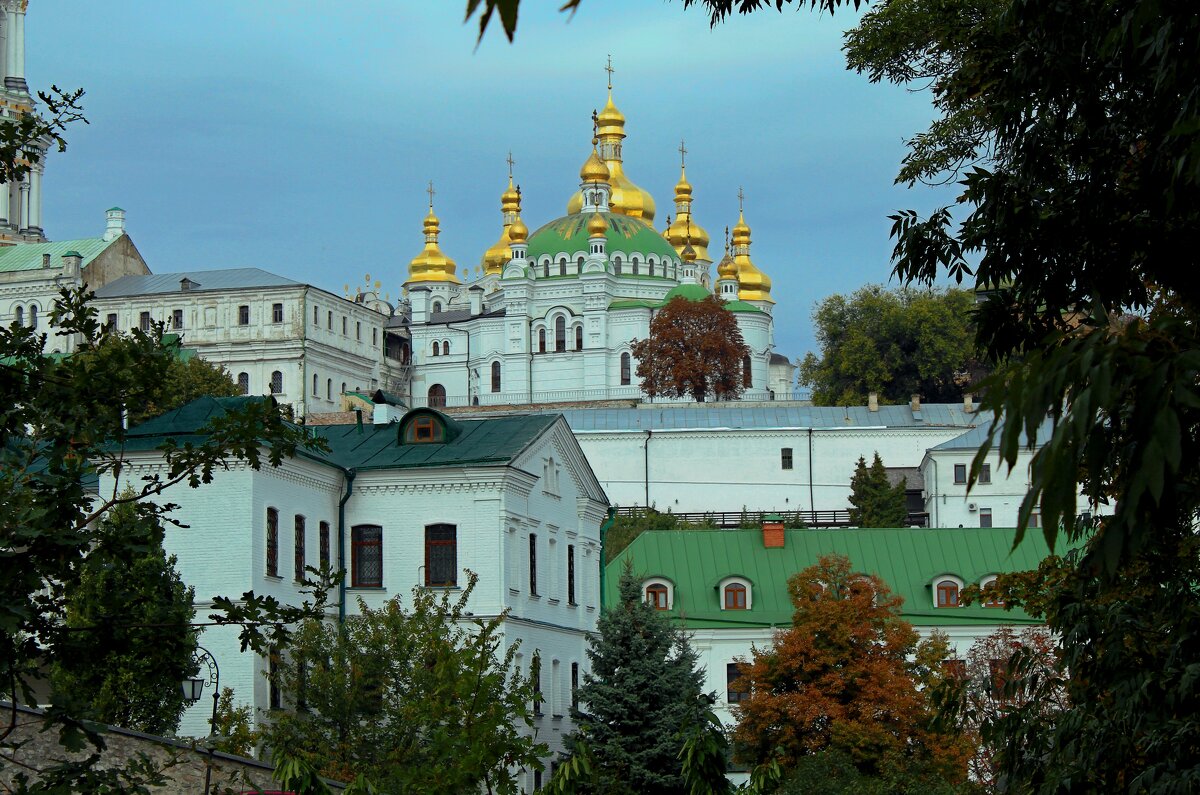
[[685, 229], [611, 121], [727, 268], [593, 169], [510, 200], [498, 255], [517, 231], [753, 284], [431, 265], [625, 197], [596, 225]]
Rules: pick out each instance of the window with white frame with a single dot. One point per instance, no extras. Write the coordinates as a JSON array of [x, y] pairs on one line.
[[659, 593], [990, 600], [736, 593], [946, 590]]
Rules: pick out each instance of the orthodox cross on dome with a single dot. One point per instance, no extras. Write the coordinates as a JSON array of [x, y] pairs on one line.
[[741, 198], [430, 191], [595, 126], [510, 162], [726, 239], [682, 154], [610, 71]]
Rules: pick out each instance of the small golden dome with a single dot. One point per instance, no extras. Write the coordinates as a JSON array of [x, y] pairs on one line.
[[594, 169], [431, 265], [496, 257], [517, 231], [597, 225], [688, 254], [727, 268], [610, 121], [753, 284], [684, 229], [510, 200]]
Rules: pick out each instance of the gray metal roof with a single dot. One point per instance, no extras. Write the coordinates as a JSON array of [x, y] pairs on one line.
[[972, 439], [765, 416], [225, 279]]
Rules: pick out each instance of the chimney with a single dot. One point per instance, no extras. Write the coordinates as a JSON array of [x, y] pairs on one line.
[[72, 263], [915, 403], [873, 401], [772, 531], [385, 414], [115, 218], [475, 293], [969, 403]]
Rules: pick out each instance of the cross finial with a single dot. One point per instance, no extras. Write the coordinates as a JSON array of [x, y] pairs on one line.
[[682, 154], [595, 126], [726, 239], [741, 198], [430, 191], [610, 71], [510, 162]]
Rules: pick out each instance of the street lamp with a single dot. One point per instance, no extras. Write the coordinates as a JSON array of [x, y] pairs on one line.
[[193, 689]]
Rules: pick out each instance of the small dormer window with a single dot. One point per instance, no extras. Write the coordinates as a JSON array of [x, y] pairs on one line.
[[424, 430], [658, 593], [735, 594], [947, 591], [993, 600], [423, 426]]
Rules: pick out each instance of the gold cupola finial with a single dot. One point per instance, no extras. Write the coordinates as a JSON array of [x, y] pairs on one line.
[[753, 284], [678, 233], [498, 255], [594, 169], [727, 269], [431, 265]]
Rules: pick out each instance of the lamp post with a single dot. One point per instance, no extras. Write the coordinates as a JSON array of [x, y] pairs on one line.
[[193, 689]]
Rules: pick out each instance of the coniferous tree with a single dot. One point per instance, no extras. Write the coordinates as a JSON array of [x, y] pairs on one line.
[[642, 702], [876, 502], [128, 620]]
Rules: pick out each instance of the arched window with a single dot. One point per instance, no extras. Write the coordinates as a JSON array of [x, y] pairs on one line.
[[495, 376], [343, 387], [33, 316], [634, 261], [244, 383], [315, 387], [329, 389], [947, 593], [546, 268], [747, 376], [579, 264], [562, 266], [579, 338], [437, 306], [437, 348], [541, 340], [437, 396], [560, 333], [276, 383], [658, 593], [735, 596], [625, 375], [446, 348], [617, 264], [994, 600], [20, 312]]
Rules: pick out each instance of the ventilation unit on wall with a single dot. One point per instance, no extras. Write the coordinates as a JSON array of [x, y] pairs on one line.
[[972, 507]]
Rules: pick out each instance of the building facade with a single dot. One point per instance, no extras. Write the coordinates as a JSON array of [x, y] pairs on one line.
[[422, 498], [20, 200]]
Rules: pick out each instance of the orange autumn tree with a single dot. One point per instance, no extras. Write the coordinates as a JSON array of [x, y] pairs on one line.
[[695, 349], [849, 678]]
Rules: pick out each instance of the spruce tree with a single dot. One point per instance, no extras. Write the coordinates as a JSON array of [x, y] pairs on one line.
[[876, 503], [642, 700]]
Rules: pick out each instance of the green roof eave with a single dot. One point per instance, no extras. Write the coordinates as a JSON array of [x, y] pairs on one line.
[[635, 303]]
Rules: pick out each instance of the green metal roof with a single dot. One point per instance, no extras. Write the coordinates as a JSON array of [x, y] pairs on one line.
[[692, 292], [480, 442], [569, 233], [28, 256], [908, 560], [635, 303]]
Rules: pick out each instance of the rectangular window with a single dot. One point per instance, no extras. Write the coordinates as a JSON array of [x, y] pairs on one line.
[[1035, 519], [366, 556], [276, 313], [110, 322], [272, 542], [299, 549], [441, 556], [533, 564], [985, 473], [244, 383], [785, 457], [960, 473], [735, 691], [324, 544], [570, 574], [177, 319], [276, 697], [574, 685], [535, 677], [144, 321], [244, 315], [316, 316], [985, 517], [375, 336], [329, 321], [343, 325], [358, 330]]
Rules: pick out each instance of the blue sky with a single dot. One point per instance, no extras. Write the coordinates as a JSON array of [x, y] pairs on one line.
[[298, 136]]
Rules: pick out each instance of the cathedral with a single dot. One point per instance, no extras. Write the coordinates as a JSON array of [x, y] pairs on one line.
[[554, 312]]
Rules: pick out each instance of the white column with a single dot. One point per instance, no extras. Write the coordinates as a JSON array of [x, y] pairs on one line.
[[35, 198], [24, 220], [10, 35], [4, 191], [18, 45]]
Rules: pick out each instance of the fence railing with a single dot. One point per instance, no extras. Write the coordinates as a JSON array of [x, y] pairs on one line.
[[581, 396], [834, 518]]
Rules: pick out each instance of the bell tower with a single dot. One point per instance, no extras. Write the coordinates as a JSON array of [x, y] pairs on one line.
[[20, 201]]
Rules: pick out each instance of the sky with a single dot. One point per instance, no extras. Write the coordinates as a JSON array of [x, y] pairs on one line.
[[299, 136]]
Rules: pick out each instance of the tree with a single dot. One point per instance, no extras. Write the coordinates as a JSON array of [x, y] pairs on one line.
[[60, 431], [25, 137], [896, 343], [642, 701], [695, 349], [187, 379], [423, 699], [877, 503], [848, 677], [129, 667]]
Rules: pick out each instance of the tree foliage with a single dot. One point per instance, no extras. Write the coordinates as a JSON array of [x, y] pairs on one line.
[[419, 699], [130, 614], [23, 137], [61, 430], [896, 343], [695, 350], [641, 704], [876, 503], [849, 676], [186, 380]]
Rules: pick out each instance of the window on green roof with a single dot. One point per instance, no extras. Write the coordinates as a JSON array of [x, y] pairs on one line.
[[424, 430]]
